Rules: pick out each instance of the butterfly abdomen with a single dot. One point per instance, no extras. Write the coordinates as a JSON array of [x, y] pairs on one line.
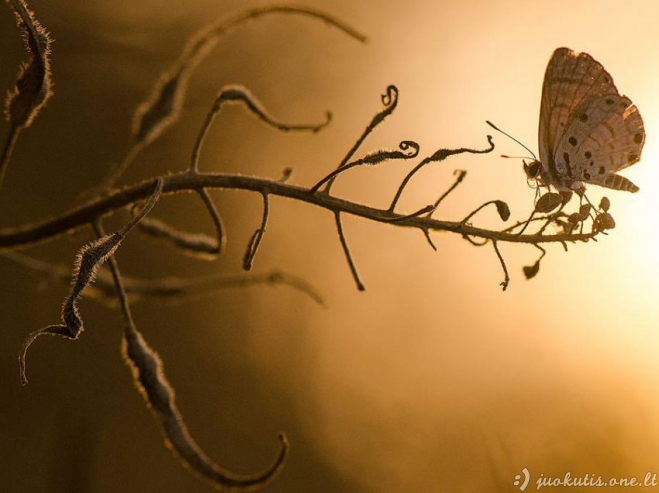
[[618, 182]]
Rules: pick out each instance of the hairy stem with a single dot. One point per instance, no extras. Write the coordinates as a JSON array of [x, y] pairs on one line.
[[117, 199]]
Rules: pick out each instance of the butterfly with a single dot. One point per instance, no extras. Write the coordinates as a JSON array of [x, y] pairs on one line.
[[588, 131]]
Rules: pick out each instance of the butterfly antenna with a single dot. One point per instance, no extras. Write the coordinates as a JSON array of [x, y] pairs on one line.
[[510, 137]]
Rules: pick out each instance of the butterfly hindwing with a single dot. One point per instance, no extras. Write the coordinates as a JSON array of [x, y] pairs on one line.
[[602, 136]]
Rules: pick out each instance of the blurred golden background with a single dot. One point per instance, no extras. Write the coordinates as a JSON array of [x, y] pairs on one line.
[[430, 380]]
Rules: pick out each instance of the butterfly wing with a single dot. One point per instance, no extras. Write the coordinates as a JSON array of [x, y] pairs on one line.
[[572, 80], [603, 136]]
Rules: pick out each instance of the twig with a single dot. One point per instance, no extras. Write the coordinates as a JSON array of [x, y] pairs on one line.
[[506, 279], [390, 101], [239, 94], [162, 107], [440, 155], [427, 210], [7, 151], [255, 241], [194, 244], [346, 250], [86, 213], [165, 289], [221, 238], [372, 159], [428, 238], [461, 176], [502, 209]]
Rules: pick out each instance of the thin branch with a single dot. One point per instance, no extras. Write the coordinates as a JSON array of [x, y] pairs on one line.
[[255, 241], [372, 159], [474, 242], [86, 213], [440, 155], [521, 223], [240, 94], [390, 101], [165, 289], [461, 176], [178, 290], [8, 150], [544, 252], [424, 211], [506, 279], [221, 238], [174, 81], [502, 209], [426, 233], [162, 107], [346, 250], [200, 243], [194, 244]]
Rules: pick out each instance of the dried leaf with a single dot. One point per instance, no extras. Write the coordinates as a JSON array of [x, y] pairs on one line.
[[150, 379], [161, 108], [195, 244], [502, 209], [163, 105], [88, 259], [33, 81], [548, 202], [530, 271], [566, 196], [584, 212], [605, 204], [603, 222]]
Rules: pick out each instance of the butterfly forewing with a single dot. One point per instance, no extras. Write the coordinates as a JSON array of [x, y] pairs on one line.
[[583, 119]]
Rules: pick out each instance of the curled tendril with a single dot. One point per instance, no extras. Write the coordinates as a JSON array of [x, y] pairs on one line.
[[439, 155], [390, 101], [408, 150], [407, 144]]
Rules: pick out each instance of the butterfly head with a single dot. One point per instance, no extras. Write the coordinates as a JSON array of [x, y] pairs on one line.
[[533, 169], [534, 174]]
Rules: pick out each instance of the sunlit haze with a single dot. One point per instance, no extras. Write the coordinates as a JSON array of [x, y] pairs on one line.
[[433, 378]]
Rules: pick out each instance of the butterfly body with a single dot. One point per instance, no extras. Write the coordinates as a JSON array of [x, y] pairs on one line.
[[588, 131]]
